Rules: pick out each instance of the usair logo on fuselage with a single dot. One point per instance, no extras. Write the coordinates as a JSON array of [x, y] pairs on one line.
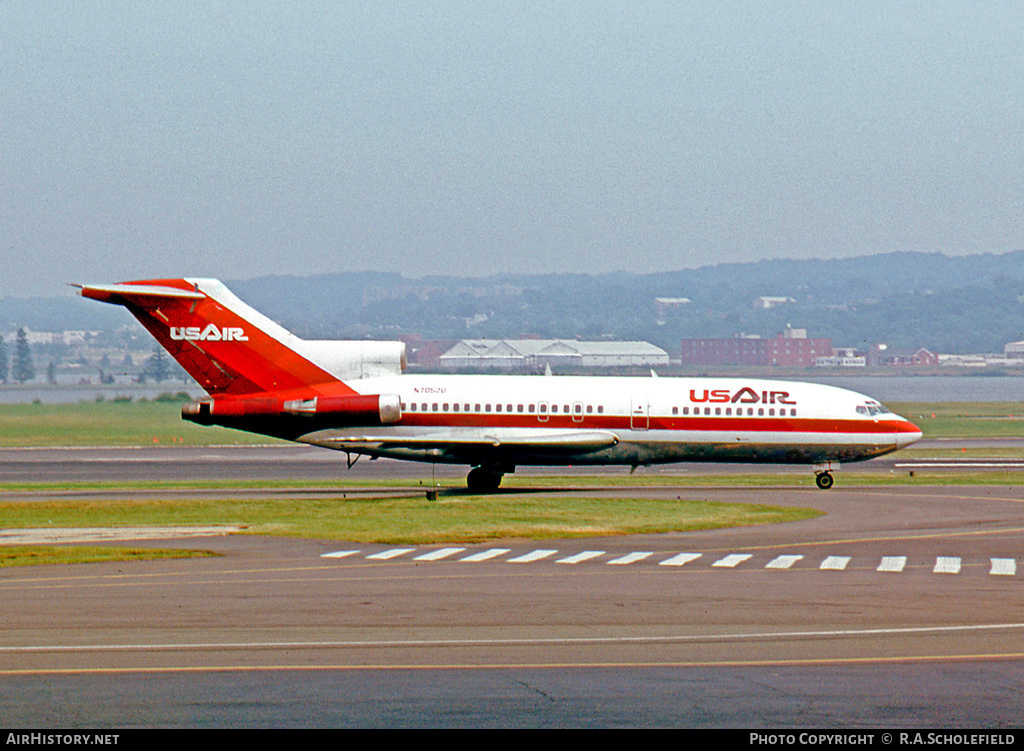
[[745, 395]]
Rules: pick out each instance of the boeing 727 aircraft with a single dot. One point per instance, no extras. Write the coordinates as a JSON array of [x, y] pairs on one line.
[[352, 396]]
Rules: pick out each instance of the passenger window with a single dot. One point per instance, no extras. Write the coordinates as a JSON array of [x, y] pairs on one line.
[[497, 408], [675, 410]]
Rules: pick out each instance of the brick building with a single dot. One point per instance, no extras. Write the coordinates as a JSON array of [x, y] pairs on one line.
[[791, 348]]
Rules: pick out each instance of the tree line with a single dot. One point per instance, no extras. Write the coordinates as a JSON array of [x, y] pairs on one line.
[[21, 369]]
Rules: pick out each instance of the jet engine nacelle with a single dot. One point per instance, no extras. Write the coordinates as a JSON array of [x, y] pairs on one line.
[[355, 409]]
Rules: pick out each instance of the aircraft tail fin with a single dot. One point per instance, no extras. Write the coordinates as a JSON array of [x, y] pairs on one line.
[[231, 349]]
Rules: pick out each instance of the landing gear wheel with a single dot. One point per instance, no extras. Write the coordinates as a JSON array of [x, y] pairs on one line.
[[824, 480], [483, 479]]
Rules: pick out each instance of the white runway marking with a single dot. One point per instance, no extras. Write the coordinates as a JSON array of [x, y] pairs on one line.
[[953, 463], [893, 563], [386, 555], [630, 558], [835, 563], [436, 555], [533, 555], [485, 555], [44, 536], [339, 554], [1003, 567], [784, 561], [680, 560], [586, 555], [731, 561]]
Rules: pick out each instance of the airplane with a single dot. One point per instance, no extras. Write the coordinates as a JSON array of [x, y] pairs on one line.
[[354, 396]]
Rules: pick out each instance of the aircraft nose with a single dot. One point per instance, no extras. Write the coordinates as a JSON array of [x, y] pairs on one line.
[[907, 433]]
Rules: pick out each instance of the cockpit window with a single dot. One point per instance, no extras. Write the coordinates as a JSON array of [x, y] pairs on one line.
[[873, 408]]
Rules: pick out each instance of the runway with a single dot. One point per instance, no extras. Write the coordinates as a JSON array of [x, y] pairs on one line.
[[900, 607]]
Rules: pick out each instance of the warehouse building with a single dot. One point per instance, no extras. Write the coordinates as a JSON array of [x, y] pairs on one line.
[[532, 355]]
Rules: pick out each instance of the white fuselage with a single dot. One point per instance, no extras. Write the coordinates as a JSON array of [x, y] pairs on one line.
[[622, 420]]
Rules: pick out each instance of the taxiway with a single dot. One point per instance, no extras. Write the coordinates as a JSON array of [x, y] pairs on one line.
[[898, 607]]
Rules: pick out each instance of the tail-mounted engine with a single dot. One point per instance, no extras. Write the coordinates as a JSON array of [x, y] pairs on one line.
[[349, 410]]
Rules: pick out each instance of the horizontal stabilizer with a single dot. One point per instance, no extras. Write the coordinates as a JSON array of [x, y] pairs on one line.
[[135, 292]]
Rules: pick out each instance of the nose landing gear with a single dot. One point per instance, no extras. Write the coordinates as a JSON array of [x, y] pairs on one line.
[[823, 474]]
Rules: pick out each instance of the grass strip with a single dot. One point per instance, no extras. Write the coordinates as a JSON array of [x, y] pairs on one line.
[[964, 419], [41, 555], [110, 424], [410, 519]]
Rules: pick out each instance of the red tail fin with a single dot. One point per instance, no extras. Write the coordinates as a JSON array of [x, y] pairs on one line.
[[226, 346]]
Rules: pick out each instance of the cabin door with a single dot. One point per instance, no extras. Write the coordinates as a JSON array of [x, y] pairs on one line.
[[638, 417]]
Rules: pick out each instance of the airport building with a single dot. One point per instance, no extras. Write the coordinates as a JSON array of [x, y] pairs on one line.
[[792, 348], [532, 355]]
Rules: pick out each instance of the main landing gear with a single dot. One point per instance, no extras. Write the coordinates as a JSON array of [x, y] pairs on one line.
[[824, 480], [486, 479]]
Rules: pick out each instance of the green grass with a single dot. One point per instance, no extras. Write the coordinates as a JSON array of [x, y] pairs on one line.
[[455, 518], [40, 555], [965, 419], [109, 424]]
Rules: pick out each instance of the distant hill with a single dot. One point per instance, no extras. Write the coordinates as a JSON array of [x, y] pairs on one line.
[[907, 300]]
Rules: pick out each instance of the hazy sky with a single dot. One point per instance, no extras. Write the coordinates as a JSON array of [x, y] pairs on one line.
[[236, 139]]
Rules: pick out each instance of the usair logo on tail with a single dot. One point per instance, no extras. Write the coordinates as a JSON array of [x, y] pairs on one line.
[[210, 334]]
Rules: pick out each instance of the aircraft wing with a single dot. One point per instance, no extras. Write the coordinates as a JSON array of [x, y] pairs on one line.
[[452, 444]]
